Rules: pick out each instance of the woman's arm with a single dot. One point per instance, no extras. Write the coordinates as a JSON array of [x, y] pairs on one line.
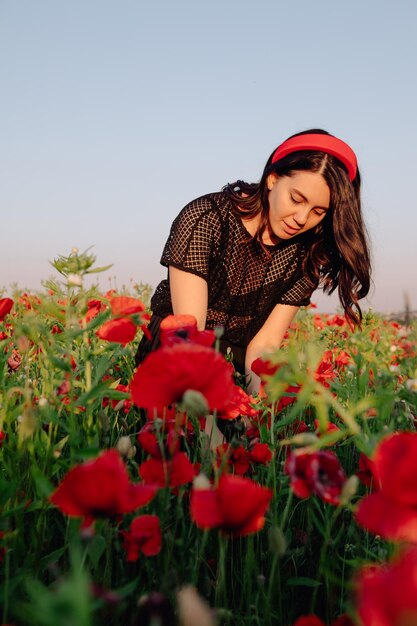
[[268, 338], [189, 295]]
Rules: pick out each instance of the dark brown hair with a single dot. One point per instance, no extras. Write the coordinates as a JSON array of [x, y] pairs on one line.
[[338, 250]]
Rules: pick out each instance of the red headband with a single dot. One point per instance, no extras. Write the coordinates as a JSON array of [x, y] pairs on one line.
[[322, 143]]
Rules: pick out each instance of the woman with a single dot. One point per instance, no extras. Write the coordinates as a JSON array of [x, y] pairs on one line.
[[247, 257]]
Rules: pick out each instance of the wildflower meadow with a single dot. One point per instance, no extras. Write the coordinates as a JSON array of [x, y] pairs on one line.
[[121, 505]]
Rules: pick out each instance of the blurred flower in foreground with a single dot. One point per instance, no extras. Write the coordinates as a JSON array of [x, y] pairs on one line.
[[100, 488], [6, 305], [313, 620], [154, 609], [192, 609], [392, 510], [166, 374], [386, 595]]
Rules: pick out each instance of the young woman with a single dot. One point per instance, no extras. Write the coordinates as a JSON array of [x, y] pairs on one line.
[[247, 257]]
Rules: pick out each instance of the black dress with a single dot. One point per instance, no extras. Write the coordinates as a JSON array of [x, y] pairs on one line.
[[245, 282]]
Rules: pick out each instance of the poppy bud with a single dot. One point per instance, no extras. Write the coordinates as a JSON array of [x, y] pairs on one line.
[[201, 482], [194, 402], [75, 280], [154, 608], [349, 489], [277, 541], [411, 384], [124, 447], [304, 439]]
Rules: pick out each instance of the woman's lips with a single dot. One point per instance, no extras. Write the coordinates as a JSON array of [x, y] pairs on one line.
[[290, 230]]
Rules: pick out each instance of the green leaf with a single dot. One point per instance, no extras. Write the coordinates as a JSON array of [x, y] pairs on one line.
[[53, 557], [104, 268], [102, 391], [43, 486], [60, 363], [96, 549]]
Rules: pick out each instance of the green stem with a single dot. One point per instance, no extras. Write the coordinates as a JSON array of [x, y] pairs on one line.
[[322, 557], [286, 510], [220, 595], [275, 572], [201, 547], [6, 587]]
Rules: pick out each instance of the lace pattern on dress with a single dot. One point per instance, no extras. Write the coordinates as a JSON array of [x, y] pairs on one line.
[[244, 281]]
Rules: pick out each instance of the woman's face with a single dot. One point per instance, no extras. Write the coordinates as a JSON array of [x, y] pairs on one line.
[[297, 203]]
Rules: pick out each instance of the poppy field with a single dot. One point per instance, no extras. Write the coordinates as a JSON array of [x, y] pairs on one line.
[[120, 504]]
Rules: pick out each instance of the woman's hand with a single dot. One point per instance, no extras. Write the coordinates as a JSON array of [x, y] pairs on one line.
[[268, 339]]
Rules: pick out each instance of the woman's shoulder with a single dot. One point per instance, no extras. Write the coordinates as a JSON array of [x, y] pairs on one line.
[[211, 206], [214, 201]]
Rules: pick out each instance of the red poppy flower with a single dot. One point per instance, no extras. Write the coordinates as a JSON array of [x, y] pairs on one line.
[[241, 460], [100, 488], [336, 320], [2, 437], [392, 511], [94, 307], [15, 360], [316, 473], [166, 374], [331, 428], [118, 404], [367, 472], [386, 595], [309, 620], [343, 620], [175, 472], [260, 453], [6, 305], [64, 388], [149, 442], [318, 322], [313, 620], [285, 399], [340, 358], [121, 306], [263, 367], [237, 506], [325, 373], [120, 330], [238, 457], [178, 328], [143, 537], [152, 445], [240, 404]]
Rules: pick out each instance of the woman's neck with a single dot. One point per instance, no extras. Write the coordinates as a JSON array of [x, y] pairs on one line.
[[252, 225]]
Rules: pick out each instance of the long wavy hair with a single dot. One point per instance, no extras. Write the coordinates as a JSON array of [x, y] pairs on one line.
[[338, 253]]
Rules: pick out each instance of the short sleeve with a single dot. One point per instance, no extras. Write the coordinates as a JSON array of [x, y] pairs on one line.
[[299, 294], [190, 243]]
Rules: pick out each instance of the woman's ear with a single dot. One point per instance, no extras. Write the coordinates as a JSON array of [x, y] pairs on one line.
[[271, 180]]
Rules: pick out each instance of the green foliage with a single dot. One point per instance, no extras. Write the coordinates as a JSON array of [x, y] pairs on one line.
[[63, 404]]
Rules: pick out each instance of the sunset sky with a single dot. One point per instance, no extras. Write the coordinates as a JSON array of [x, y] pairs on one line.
[[115, 114]]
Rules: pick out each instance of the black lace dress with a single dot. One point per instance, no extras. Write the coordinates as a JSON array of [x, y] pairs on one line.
[[245, 282]]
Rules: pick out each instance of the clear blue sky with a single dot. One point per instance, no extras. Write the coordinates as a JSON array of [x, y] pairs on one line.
[[114, 114]]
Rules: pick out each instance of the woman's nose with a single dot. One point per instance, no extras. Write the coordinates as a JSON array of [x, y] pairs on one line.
[[301, 216]]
